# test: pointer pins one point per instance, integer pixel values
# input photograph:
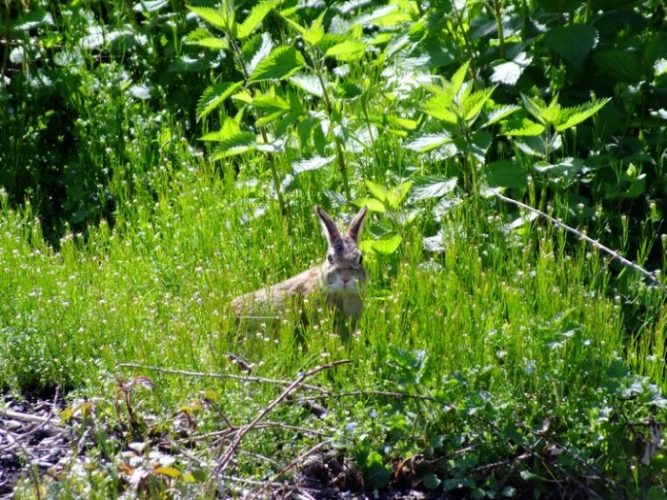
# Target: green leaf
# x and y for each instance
(314, 34)
(458, 78)
(575, 115)
(473, 104)
(349, 50)
(255, 50)
(270, 101)
(232, 139)
(431, 481)
(218, 18)
(201, 37)
(573, 42)
(500, 114)
(505, 173)
(428, 142)
(525, 127)
(433, 187)
(619, 65)
(396, 196)
(314, 163)
(440, 106)
(281, 63)
(372, 204)
(386, 246)
(307, 82)
(255, 18)
(215, 95)
(378, 191)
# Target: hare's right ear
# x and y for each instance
(330, 231)
(357, 224)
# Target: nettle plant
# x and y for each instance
(286, 97)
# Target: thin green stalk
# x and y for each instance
(498, 14)
(262, 129)
(342, 165)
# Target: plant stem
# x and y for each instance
(342, 165)
(498, 11)
(262, 130)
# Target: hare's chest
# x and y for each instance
(349, 304)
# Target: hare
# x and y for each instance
(339, 278)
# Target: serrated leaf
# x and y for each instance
(256, 49)
(313, 35)
(201, 37)
(232, 140)
(573, 42)
(428, 142)
(473, 104)
(307, 82)
(505, 173)
(281, 63)
(314, 163)
(526, 127)
(433, 187)
(270, 101)
(349, 50)
(255, 18)
(215, 17)
(499, 114)
(439, 106)
(575, 115)
(377, 190)
(372, 204)
(459, 77)
(215, 95)
(396, 196)
(403, 123)
(386, 246)
(509, 72)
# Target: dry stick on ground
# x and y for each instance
(594, 243)
(291, 465)
(231, 449)
(242, 378)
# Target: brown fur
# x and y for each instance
(343, 261)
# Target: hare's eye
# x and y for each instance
(360, 259)
(330, 258)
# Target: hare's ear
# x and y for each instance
(357, 224)
(330, 231)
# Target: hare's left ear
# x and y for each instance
(357, 224)
(330, 231)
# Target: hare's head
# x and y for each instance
(343, 268)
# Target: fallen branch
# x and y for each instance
(242, 378)
(231, 449)
(291, 465)
(594, 243)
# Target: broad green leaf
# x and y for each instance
(372, 204)
(203, 38)
(313, 35)
(218, 18)
(270, 101)
(473, 104)
(575, 115)
(433, 187)
(255, 50)
(458, 78)
(232, 139)
(396, 196)
(314, 163)
(572, 42)
(526, 127)
(215, 95)
(428, 142)
(535, 106)
(509, 72)
(440, 106)
(431, 481)
(349, 50)
(552, 114)
(307, 82)
(376, 190)
(403, 123)
(255, 18)
(281, 63)
(386, 246)
(500, 113)
(505, 173)
(268, 118)
(619, 64)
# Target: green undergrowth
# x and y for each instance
(511, 335)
